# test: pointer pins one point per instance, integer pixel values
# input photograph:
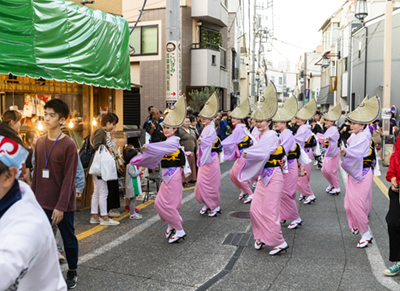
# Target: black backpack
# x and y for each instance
(86, 152)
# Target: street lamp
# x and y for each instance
(361, 10)
(258, 84)
(325, 62)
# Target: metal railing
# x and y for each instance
(205, 45)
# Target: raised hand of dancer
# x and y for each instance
(394, 184)
(143, 148)
(198, 141)
(244, 155)
(343, 152)
(329, 138)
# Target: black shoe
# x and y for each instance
(71, 280)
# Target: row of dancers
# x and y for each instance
(278, 165)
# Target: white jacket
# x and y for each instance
(28, 252)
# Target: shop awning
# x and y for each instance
(64, 41)
(325, 96)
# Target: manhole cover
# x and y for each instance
(240, 214)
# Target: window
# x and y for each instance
(213, 60)
(144, 40)
(345, 65)
(273, 79)
(280, 80)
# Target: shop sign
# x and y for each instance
(333, 83)
(386, 113)
(174, 80)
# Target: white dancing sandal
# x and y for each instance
(302, 197)
(354, 230)
(310, 199)
(295, 223)
(335, 191)
(180, 234)
(276, 250)
(169, 232)
(215, 211)
(248, 199)
(204, 210)
(365, 240)
(329, 188)
(241, 195)
(258, 244)
(255, 184)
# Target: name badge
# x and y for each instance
(46, 174)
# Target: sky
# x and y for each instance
(298, 22)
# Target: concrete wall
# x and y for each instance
(375, 61)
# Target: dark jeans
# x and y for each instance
(113, 195)
(67, 230)
(393, 223)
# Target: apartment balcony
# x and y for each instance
(212, 11)
(208, 65)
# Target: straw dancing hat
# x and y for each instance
(286, 111)
(210, 109)
(367, 112)
(267, 106)
(334, 113)
(242, 110)
(177, 113)
(308, 110)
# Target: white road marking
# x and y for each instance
(132, 233)
(374, 256)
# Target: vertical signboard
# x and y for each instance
(306, 96)
(174, 81)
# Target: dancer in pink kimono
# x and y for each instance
(358, 161)
(306, 141)
(235, 144)
(173, 159)
(265, 159)
(289, 211)
(330, 140)
(209, 174)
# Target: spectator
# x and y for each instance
(150, 110)
(113, 202)
(223, 124)
(393, 215)
(100, 193)
(189, 111)
(392, 125)
(345, 132)
(193, 124)
(154, 127)
(199, 125)
(31, 138)
(56, 163)
(188, 140)
(341, 120)
(216, 123)
(28, 258)
(293, 125)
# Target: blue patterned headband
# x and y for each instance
(12, 154)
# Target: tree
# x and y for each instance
(199, 98)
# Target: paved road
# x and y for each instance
(322, 253)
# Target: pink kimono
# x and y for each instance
(303, 183)
(209, 174)
(265, 207)
(358, 198)
(288, 201)
(231, 152)
(169, 196)
(330, 166)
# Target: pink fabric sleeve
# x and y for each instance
(155, 152)
(230, 143)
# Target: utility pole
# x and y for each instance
(387, 64)
(253, 84)
(173, 47)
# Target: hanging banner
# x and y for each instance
(174, 81)
(333, 83)
(306, 96)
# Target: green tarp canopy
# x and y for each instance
(64, 41)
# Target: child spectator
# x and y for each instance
(133, 187)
